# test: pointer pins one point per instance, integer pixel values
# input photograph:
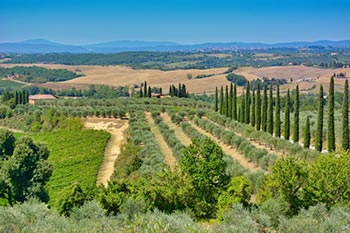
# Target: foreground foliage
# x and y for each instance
(24, 169)
(33, 216)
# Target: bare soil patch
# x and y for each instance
(117, 128)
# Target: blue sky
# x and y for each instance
(191, 21)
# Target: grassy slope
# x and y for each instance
(9, 84)
(75, 156)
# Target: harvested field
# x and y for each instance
(126, 76)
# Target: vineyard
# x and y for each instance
(182, 162)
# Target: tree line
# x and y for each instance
(262, 110)
(12, 99)
(34, 74)
(180, 91)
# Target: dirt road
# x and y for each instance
(117, 128)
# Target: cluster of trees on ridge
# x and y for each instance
(180, 91)
(34, 74)
(187, 60)
(263, 111)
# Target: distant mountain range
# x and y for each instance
(45, 46)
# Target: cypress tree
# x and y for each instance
(230, 102)
(226, 101)
(258, 109)
(270, 113)
(141, 93)
(278, 113)
(183, 91)
(179, 93)
(307, 133)
(234, 107)
(242, 110)
(319, 130)
(16, 98)
(145, 89)
(222, 100)
(161, 91)
(247, 104)
(216, 99)
(345, 112)
(264, 110)
(330, 131)
(149, 92)
(296, 116)
(286, 131)
(252, 110)
(20, 97)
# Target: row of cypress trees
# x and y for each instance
(20, 97)
(263, 111)
(181, 92)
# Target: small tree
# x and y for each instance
(277, 114)
(330, 131)
(258, 108)
(226, 101)
(307, 136)
(319, 136)
(296, 116)
(270, 113)
(234, 107)
(222, 100)
(287, 117)
(216, 99)
(145, 90)
(247, 104)
(230, 102)
(252, 110)
(203, 162)
(25, 172)
(242, 110)
(264, 110)
(345, 112)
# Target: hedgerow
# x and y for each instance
(153, 160)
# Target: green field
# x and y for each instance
(9, 84)
(75, 156)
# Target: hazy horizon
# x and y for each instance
(163, 41)
(79, 22)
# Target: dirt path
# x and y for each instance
(166, 150)
(117, 128)
(19, 81)
(184, 139)
(12, 130)
(229, 150)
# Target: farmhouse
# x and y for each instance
(34, 98)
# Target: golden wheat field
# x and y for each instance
(306, 77)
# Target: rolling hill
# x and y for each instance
(45, 46)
